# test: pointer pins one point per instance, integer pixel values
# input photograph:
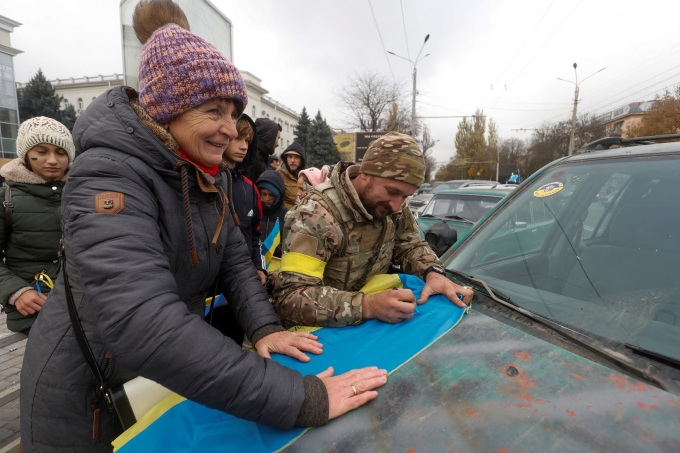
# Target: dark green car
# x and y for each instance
(460, 208)
(572, 342)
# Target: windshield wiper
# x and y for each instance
(670, 361)
(601, 346)
(475, 281)
(426, 215)
(457, 217)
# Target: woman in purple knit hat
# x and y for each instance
(149, 233)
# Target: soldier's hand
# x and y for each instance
(438, 284)
(30, 302)
(392, 305)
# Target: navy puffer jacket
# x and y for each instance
(270, 214)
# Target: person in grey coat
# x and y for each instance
(147, 236)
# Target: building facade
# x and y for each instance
(80, 92)
(9, 108)
(619, 121)
(262, 106)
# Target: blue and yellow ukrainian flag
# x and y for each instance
(178, 425)
(270, 243)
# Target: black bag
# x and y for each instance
(131, 400)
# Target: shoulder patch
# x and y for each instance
(304, 244)
(109, 202)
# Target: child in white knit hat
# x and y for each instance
(32, 202)
(46, 147)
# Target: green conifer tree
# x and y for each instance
(321, 148)
(302, 129)
(39, 98)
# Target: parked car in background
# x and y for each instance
(424, 188)
(572, 340)
(461, 184)
(417, 202)
(460, 209)
(423, 195)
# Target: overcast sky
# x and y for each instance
(502, 56)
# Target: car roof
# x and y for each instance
(638, 149)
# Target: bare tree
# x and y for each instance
(426, 144)
(513, 158)
(399, 118)
(368, 98)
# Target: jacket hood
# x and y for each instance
(247, 167)
(15, 170)
(109, 122)
(116, 120)
(266, 135)
(273, 178)
(297, 148)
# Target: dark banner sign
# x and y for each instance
(363, 140)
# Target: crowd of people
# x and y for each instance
(172, 196)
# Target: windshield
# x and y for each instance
(470, 207)
(595, 245)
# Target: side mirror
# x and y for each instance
(440, 237)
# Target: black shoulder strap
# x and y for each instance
(78, 327)
(9, 207)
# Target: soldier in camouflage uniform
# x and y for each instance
(351, 228)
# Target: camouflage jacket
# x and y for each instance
(333, 246)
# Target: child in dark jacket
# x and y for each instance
(272, 188)
(239, 158)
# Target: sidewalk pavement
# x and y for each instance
(12, 346)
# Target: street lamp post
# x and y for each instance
(498, 161)
(573, 113)
(413, 102)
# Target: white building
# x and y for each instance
(82, 91)
(262, 106)
(9, 118)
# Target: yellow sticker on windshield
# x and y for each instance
(548, 189)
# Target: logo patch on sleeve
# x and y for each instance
(109, 202)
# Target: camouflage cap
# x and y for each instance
(395, 156)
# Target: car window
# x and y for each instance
(468, 206)
(592, 244)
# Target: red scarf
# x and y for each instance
(212, 170)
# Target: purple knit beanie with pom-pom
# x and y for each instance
(179, 70)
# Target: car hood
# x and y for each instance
(487, 386)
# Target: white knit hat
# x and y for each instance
(42, 129)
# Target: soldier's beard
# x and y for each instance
(379, 210)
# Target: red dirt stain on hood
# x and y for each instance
(623, 384)
(647, 406)
(518, 388)
(522, 356)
